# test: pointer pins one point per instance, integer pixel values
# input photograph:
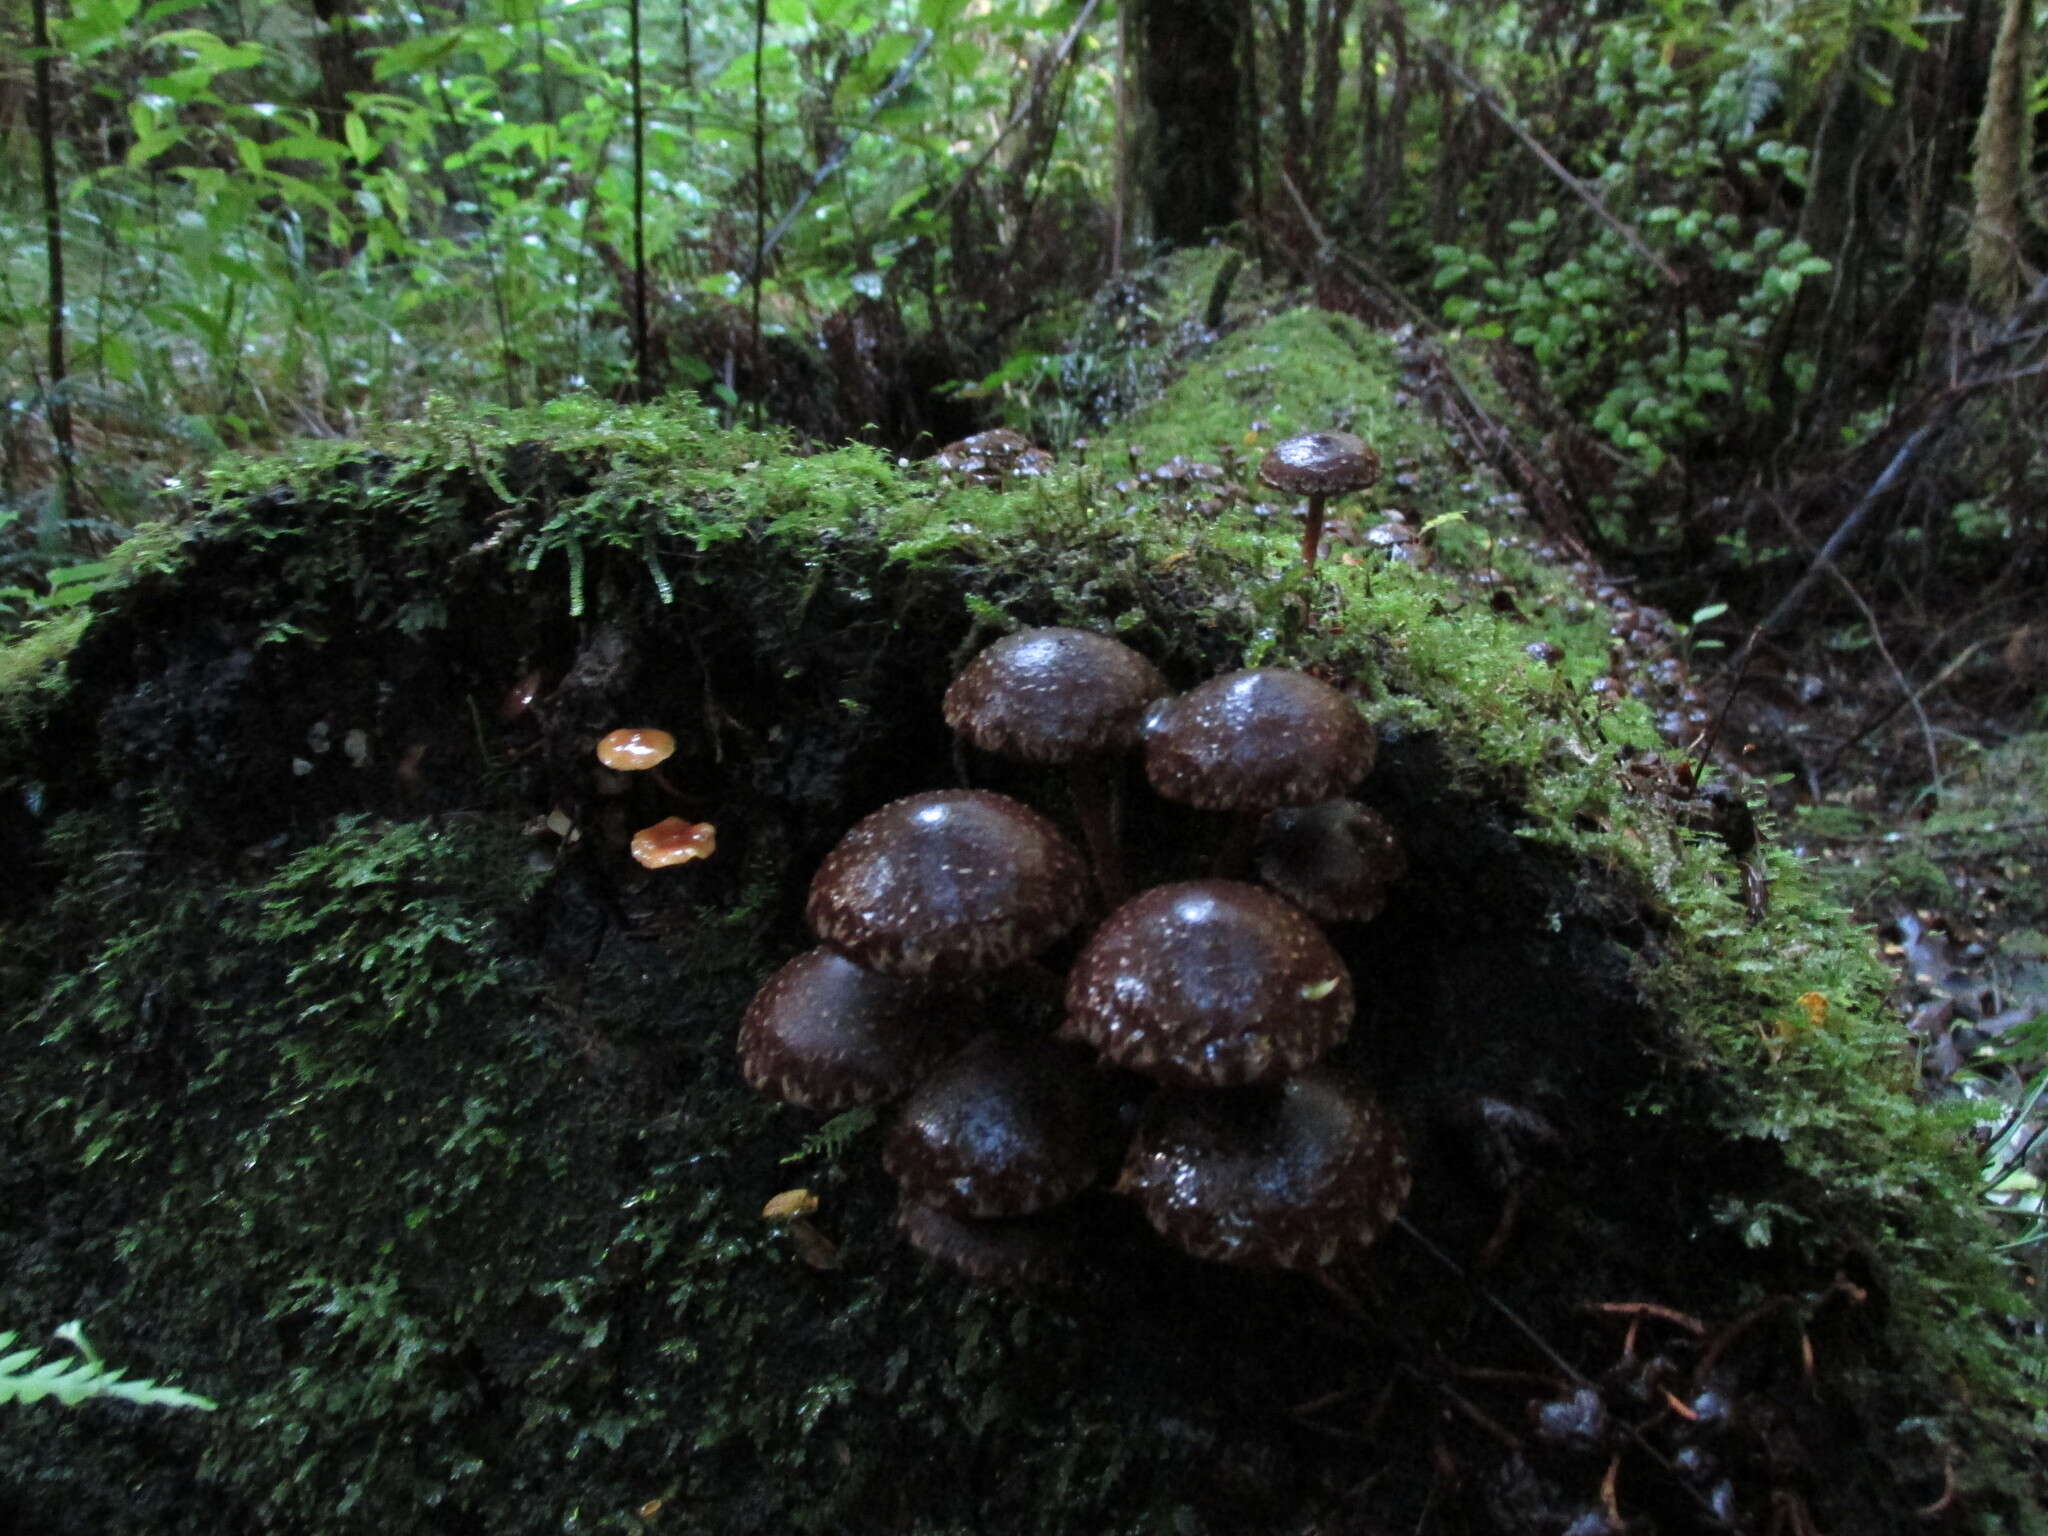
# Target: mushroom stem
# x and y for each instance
(1312, 531)
(1093, 786)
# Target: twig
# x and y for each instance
(838, 156)
(1654, 1309)
(643, 362)
(1877, 638)
(1025, 109)
(1878, 719)
(1571, 1372)
(1915, 444)
(760, 381)
(1989, 829)
(1551, 163)
(1974, 375)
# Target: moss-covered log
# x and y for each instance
(360, 1081)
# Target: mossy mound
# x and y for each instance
(352, 1091)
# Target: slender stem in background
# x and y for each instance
(760, 199)
(643, 363)
(689, 63)
(1252, 106)
(56, 407)
(1120, 192)
(501, 306)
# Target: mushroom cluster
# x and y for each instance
(1187, 1072)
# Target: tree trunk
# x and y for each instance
(1188, 80)
(1998, 266)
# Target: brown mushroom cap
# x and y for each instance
(948, 883)
(824, 1034)
(1250, 741)
(1053, 695)
(1010, 1125)
(634, 748)
(1320, 464)
(1334, 860)
(1208, 983)
(1288, 1177)
(1028, 1251)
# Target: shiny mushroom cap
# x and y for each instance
(1320, 464)
(1334, 860)
(1250, 741)
(635, 748)
(1009, 1126)
(1208, 984)
(946, 884)
(1289, 1177)
(1053, 695)
(826, 1035)
(673, 840)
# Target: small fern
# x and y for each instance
(72, 1382)
(835, 1135)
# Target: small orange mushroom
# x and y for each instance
(673, 840)
(789, 1205)
(635, 748)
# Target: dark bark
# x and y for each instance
(57, 408)
(344, 69)
(1188, 53)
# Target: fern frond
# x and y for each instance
(835, 1135)
(72, 1382)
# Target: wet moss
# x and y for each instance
(362, 1099)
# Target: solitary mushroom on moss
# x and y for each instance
(1319, 465)
(1063, 697)
(947, 884)
(1289, 1177)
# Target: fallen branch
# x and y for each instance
(1029, 105)
(838, 156)
(1551, 163)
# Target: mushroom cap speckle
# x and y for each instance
(1010, 1125)
(1334, 859)
(946, 884)
(1250, 741)
(1208, 983)
(824, 1034)
(1288, 1177)
(1320, 464)
(1053, 695)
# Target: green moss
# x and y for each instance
(546, 1240)
(30, 659)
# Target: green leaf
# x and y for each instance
(360, 144)
(305, 146)
(416, 55)
(119, 357)
(72, 1382)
